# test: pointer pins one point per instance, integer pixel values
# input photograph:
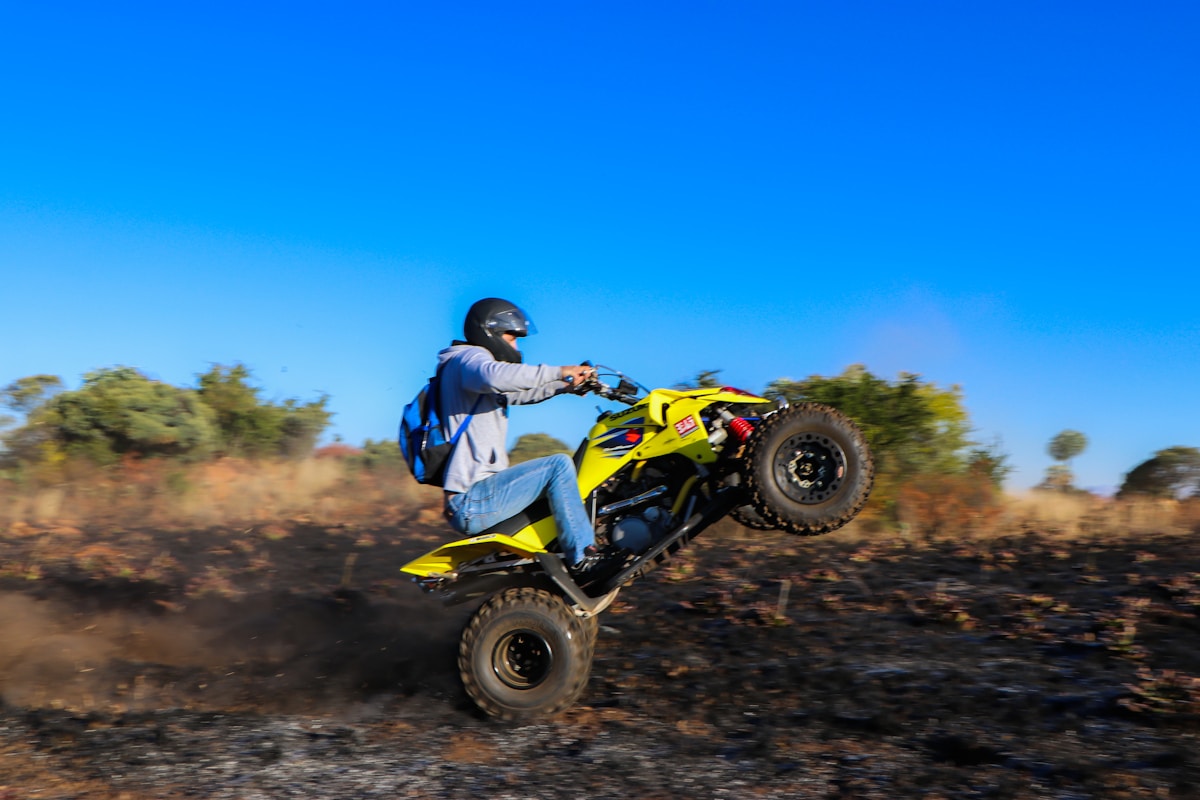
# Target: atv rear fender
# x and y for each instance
(527, 542)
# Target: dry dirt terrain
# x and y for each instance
(293, 661)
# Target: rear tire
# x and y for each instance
(525, 655)
(808, 469)
(591, 632)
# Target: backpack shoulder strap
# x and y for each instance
(438, 400)
(466, 422)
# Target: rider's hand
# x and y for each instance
(577, 374)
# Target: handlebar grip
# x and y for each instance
(584, 363)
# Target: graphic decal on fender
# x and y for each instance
(627, 412)
(618, 442)
(686, 426)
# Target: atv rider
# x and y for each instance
(481, 377)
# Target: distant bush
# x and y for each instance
(383, 455)
(536, 445)
(919, 434)
(949, 505)
(337, 450)
(119, 413)
(1173, 472)
(249, 427)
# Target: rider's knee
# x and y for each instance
(563, 464)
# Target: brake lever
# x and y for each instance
(584, 386)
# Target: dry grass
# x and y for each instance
(332, 491)
(948, 507)
(1085, 515)
(221, 493)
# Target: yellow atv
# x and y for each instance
(652, 476)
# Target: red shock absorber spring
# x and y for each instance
(741, 428)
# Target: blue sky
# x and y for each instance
(999, 196)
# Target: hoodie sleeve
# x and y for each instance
(521, 384)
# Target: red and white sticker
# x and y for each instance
(685, 426)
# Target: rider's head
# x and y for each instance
(487, 322)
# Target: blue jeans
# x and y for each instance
(508, 493)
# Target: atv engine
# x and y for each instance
(636, 505)
(638, 531)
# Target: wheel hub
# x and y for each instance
(809, 468)
(522, 659)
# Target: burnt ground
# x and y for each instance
(293, 660)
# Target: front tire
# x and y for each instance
(748, 517)
(808, 469)
(524, 655)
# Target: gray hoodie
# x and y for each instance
(469, 374)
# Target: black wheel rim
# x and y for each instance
(809, 467)
(522, 659)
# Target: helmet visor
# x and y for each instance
(513, 320)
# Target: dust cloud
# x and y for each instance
(271, 652)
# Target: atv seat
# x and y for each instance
(539, 510)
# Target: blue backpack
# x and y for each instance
(423, 437)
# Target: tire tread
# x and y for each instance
(549, 605)
(760, 488)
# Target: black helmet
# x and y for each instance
(491, 317)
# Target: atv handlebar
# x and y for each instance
(626, 391)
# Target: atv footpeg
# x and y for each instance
(555, 568)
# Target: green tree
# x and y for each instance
(119, 411)
(302, 426)
(535, 445)
(1062, 448)
(1173, 472)
(247, 426)
(989, 462)
(26, 394)
(243, 425)
(705, 379)
(911, 426)
(1066, 445)
(1059, 478)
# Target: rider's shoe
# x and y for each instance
(597, 563)
(591, 558)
